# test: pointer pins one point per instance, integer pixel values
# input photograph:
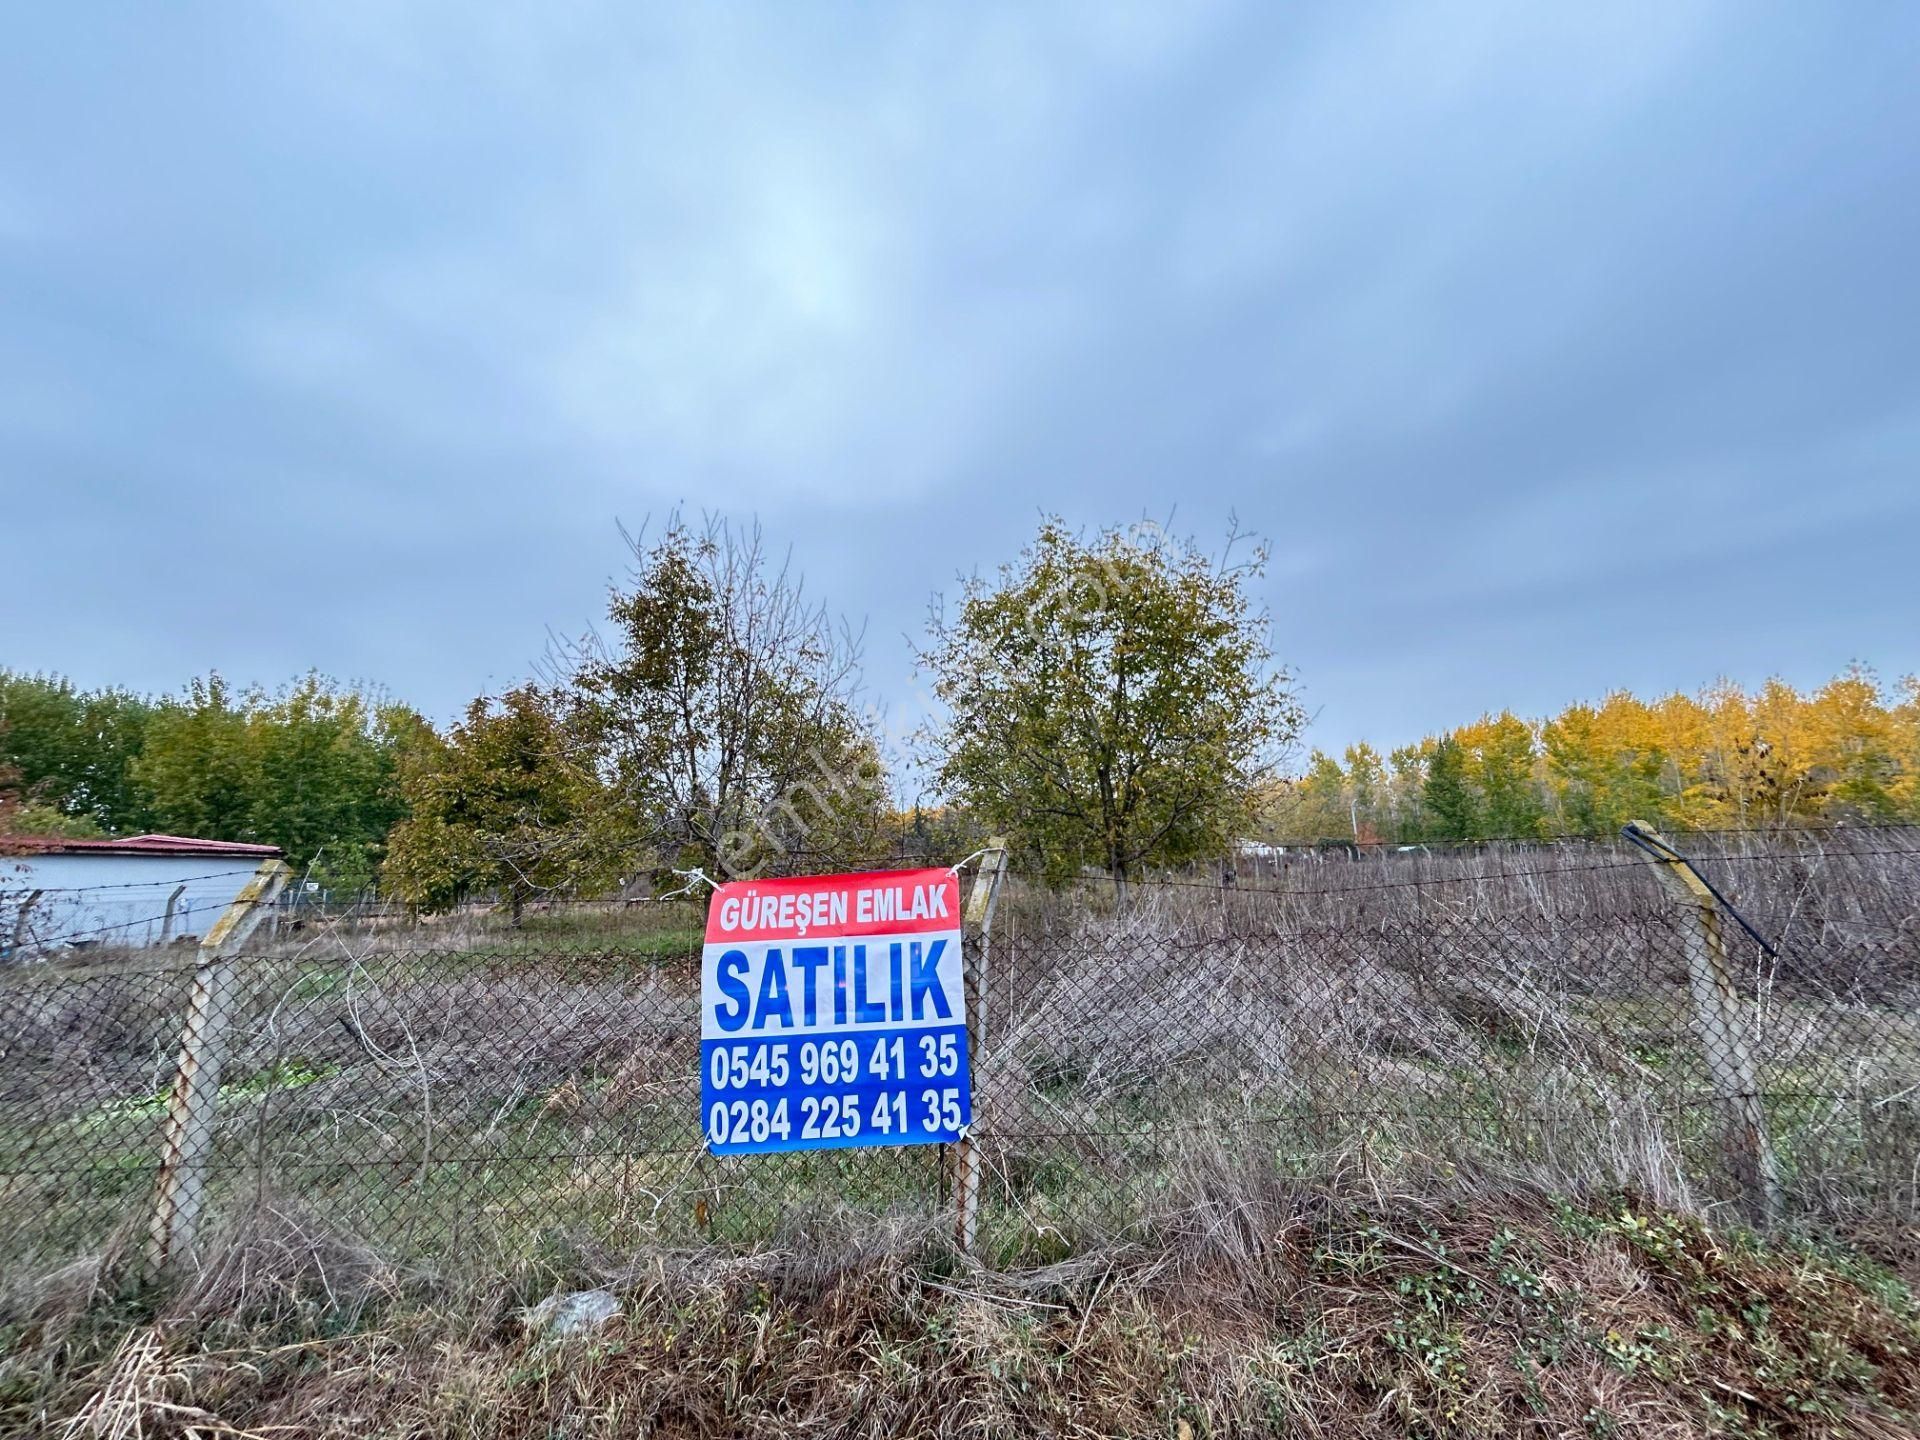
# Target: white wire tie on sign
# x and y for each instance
(959, 865)
(693, 875)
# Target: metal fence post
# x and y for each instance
(173, 909)
(978, 929)
(1721, 1021)
(187, 1137)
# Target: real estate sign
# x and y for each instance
(833, 1013)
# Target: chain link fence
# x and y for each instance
(433, 1089)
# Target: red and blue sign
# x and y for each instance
(833, 1013)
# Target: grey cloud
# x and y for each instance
(1498, 319)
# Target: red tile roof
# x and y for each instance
(136, 845)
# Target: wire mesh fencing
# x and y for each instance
(433, 1090)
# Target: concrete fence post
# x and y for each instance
(187, 1136)
(976, 941)
(1723, 1025)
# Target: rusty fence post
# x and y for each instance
(187, 1136)
(1723, 1026)
(976, 941)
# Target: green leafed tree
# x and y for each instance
(1111, 700)
(198, 768)
(1453, 807)
(508, 803)
(327, 776)
(72, 752)
(722, 705)
(313, 769)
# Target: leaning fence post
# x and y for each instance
(976, 938)
(173, 908)
(187, 1137)
(20, 931)
(1721, 1022)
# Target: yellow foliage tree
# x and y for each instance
(1847, 752)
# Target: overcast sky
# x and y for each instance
(1556, 348)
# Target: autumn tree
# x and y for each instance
(1502, 764)
(1904, 738)
(1319, 805)
(1853, 743)
(15, 896)
(722, 703)
(1605, 766)
(1406, 787)
(1368, 802)
(1845, 753)
(1111, 700)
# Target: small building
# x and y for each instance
(59, 894)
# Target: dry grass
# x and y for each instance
(1525, 1007)
(1346, 1159)
(1468, 1304)
(1799, 887)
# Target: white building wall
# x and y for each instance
(121, 900)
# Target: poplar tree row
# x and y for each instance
(1847, 752)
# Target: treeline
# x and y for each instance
(314, 768)
(709, 725)
(1110, 700)
(1847, 752)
